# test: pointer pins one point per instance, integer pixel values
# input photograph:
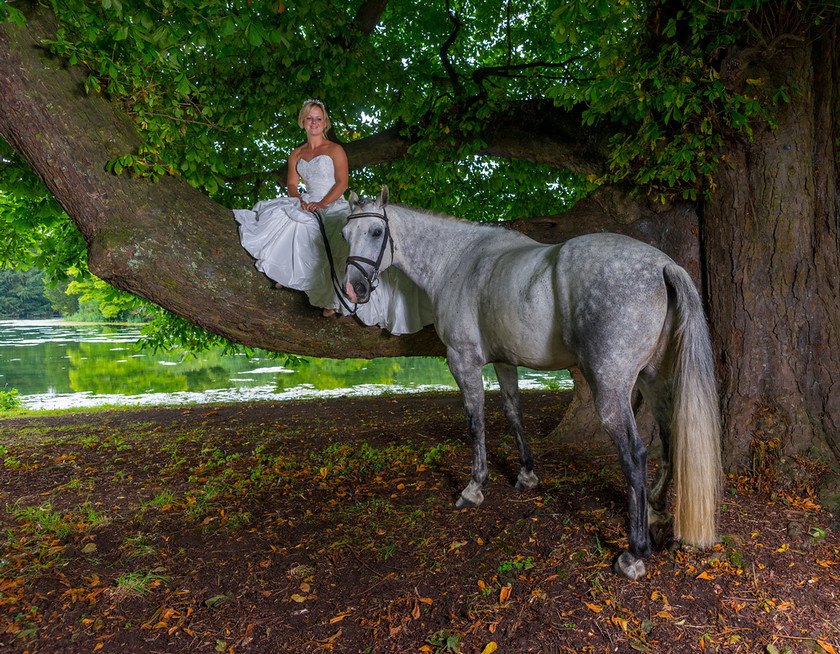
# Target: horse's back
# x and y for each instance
(601, 297)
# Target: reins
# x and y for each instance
(339, 291)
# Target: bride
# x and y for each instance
(284, 237)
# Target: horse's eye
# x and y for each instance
(377, 232)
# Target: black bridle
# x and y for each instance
(373, 276)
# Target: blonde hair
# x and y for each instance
(307, 107)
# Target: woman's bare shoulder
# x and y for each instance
(295, 154)
(335, 150)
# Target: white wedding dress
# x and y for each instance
(287, 244)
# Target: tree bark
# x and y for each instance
(771, 251)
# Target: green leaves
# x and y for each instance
(9, 13)
(657, 76)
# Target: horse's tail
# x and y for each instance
(695, 422)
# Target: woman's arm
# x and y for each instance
(292, 177)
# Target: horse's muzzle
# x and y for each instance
(357, 291)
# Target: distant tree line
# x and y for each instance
(29, 294)
(23, 294)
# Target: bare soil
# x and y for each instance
(329, 525)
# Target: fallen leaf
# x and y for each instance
(331, 639)
(827, 647)
(705, 575)
(213, 601)
(594, 607)
(297, 598)
(504, 594)
(621, 623)
(489, 648)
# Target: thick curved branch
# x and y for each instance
(536, 130)
(167, 242)
(533, 130)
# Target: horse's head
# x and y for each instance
(371, 247)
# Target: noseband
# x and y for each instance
(373, 277)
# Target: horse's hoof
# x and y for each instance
(629, 567)
(527, 480)
(469, 500)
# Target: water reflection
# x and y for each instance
(55, 364)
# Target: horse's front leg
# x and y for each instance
(467, 373)
(509, 384)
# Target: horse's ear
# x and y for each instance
(353, 199)
(383, 197)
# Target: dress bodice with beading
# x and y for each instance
(318, 175)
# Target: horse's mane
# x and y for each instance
(444, 216)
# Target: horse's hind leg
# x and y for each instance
(509, 383)
(467, 373)
(613, 407)
(660, 521)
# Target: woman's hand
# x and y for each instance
(312, 206)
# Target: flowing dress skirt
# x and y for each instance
(288, 247)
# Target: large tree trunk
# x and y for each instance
(771, 238)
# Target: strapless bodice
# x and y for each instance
(318, 175)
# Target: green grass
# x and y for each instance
(137, 583)
(41, 519)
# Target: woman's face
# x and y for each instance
(313, 122)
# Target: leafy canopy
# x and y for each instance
(214, 87)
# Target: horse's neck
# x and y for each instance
(428, 246)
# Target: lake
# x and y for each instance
(58, 365)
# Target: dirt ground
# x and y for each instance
(329, 526)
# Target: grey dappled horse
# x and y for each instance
(620, 310)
